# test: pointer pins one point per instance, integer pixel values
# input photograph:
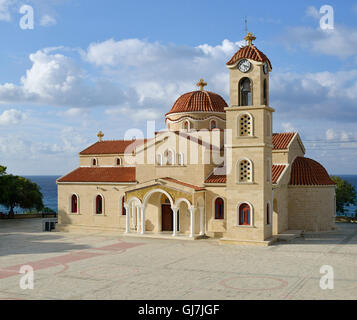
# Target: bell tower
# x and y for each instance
(249, 120)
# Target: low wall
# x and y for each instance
(29, 216)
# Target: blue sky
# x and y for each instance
(110, 65)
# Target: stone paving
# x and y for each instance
(112, 266)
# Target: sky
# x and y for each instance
(90, 65)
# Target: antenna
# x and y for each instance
(246, 25)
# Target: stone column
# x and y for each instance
(174, 218)
(137, 219)
(202, 212)
(142, 220)
(192, 229)
(127, 228)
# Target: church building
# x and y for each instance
(217, 171)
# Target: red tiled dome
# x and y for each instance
(249, 52)
(308, 172)
(199, 101)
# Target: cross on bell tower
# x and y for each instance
(201, 84)
(250, 37)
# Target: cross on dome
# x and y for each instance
(100, 136)
(201, 84)
(250, 37)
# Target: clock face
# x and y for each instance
(265, 68)
(244, 65)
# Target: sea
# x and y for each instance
(49, 190)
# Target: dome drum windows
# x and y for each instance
(245, 171)
(245, 125)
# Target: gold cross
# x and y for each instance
(250, 37)
(100, 135)
(201, 84)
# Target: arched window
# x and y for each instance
(180, 160)
(265, 94)
(245, 92)
(269, 169)
(99, 204)
(268, 126)
(159, 159)
(245, 125)
(219, 208)
(94, 162)
(213, 124)
(170, 157)
(186, 125)
(74, 204)
(244, 215)
(123, 210)
(118, 161)
(268, 213)
(245, 171)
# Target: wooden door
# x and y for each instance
(166, 221)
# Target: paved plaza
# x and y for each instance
(112, 266)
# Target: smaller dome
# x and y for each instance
(199, 101)
(308, 172)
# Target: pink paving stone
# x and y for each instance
(67, 258)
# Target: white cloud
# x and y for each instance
(5, 10)
(288, 127)
(138, 115)
(330, 134)
(340, 42)
(11, 117)
(311, 11)
(47, 21)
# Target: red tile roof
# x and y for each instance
(199, 101)
(249, 52)
(214, 178)
(113, 147)
(100, 174)
(281, 140)
(308, 172)
(196, 188)
(277, 170)
(222, 178)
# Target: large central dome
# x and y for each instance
(199, 101)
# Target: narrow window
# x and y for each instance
(118, 161)
(245, 125)
(245, 89)
(244, 215)
(123, 210)
(99, 204)
(94, 162)
(265, 96)
(74, 204)
(219, 208)
(180, 159)
(268, 213)
(170, 157)
(213, 124)
(186, 125)
(245, 171)
(159, 159)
